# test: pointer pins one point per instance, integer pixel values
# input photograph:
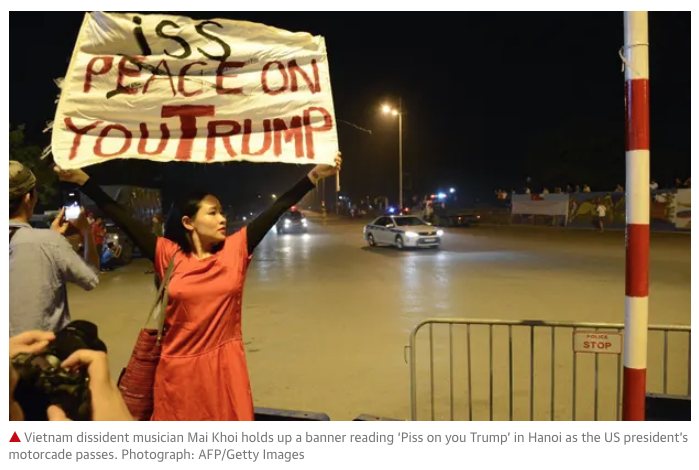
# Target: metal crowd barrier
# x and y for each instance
(276, 414)
(536, 370)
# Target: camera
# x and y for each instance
(43, 382)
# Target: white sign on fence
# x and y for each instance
(683, 209)
(545, 204)
(599, 343)
(169, 88)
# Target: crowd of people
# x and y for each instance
(202, 373)
(503, 195)
(108, 252)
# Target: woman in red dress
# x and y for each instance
(202, 374)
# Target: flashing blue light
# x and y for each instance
(441, 196)
(391, 210)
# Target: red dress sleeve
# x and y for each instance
(236, 249)
(164, 251)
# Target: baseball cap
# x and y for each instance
(22, 180)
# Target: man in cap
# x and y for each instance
(42, 261)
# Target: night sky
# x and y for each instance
(490, 99)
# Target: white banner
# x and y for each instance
(169, 88)
(683, 211)
(545, 204)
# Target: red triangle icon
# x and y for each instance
(15, 438)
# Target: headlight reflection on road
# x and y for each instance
(412, 286)
(292, 249)
(426, 285)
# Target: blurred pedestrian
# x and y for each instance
(599, 215)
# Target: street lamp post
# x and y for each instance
(400, 153)
(398, 112)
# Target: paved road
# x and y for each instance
(326, 318)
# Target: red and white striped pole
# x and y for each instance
(637, 214)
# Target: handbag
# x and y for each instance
(138, 377)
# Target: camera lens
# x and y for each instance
(79, 334)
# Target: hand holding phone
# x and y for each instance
(59, 224)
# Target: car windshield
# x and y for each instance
(294, 215)
(408, 221)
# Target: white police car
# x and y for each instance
(402, 231)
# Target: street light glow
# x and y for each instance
(452, 190)
(399, 113)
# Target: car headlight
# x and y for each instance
(411, 234)
(304, 222)
(440, 233)
(287, 222)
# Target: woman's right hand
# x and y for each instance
(72, 176)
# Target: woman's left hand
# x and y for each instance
(78, 176)
(323, 171)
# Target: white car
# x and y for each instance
(402, 232)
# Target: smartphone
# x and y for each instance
(72, 211)
(72, 205)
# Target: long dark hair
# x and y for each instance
(187, 205)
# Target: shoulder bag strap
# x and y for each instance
(162, 297)
(165, 295)
(13, 231)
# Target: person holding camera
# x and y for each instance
(106, 401)
(42, 261)
(202, 373)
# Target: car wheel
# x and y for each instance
(399, 243)
(370, 239)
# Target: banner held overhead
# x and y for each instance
(169, 88)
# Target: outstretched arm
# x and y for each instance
(258, 228)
